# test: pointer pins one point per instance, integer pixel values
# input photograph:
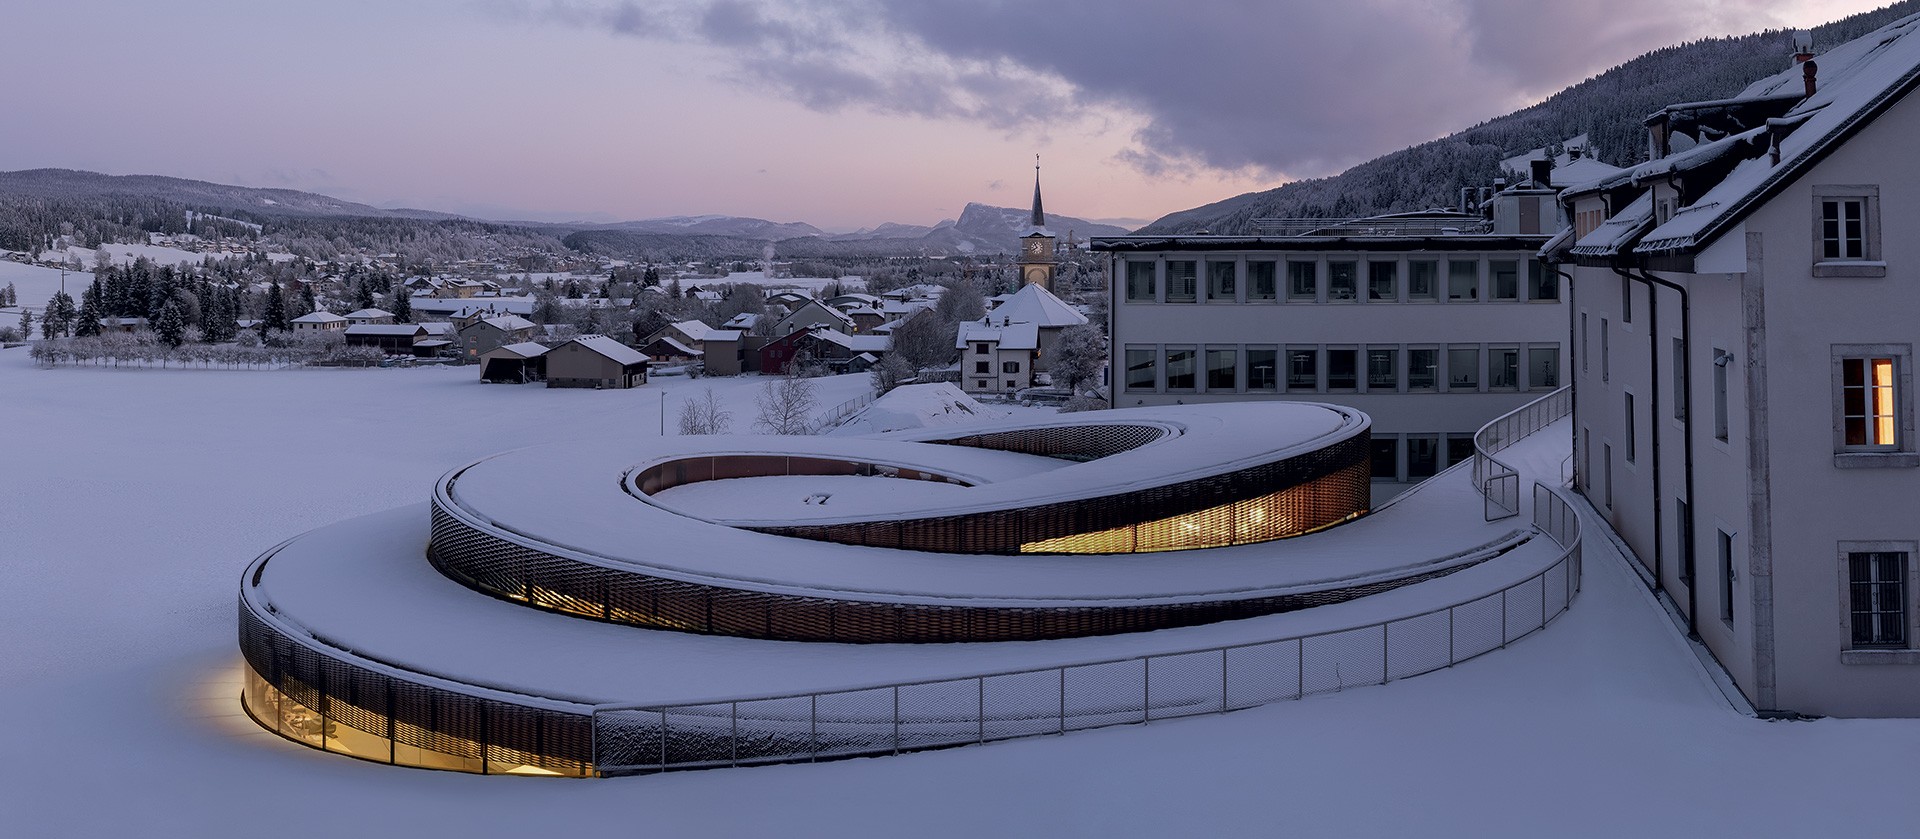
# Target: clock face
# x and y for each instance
(1036, 247)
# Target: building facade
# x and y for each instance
(1433, 324)
(1744, 408)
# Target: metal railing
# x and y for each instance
(941, 713)
(1496, 481)
(839, 413)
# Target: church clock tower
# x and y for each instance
(1036, 246)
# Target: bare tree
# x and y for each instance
(1078, 356)
(890, 372)
(925, 341)
(786, 406)
(703, 415)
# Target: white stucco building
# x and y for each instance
(1432, 323)
(1744, 330)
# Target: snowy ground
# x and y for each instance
(36, 284)
(129, 501)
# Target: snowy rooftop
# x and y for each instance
(1036, 305)
(614, 350)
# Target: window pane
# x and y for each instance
(1180, 374)
(1503, 368)
(1383, 369)
(1423, 279)
(1506, 279)
(1463, 368)
(1140, 369)
(1423, 369)
(1423, 456)
(1343, 279)
(1459, 448)
(1876, 595)
(1221, 278)
(1140, 276)
(1181, 280)
(1542, 284)
(1221, 370)
(1463, 279)
(1382, 280)
(1263, 368)
(1342, 369)
(1386, 452)
(1303, 280)
(1303, 369)
(1867, 402)
(1543, 367)
(1260, 280)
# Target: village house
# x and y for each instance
(595, 361)
(320, 321)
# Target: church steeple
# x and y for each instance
(1039, 215)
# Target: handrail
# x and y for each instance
(1494, 479)
(938, 713)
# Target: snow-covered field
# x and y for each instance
(36, 284)
(130, 499)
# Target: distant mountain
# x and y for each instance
(75, 185)
(1607, 107)
(981, 229)
(747, 228)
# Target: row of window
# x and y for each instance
(1315, 369)
(1425, 454)
(1237, 280)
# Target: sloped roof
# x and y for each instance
(675, 346)
(744, 320)
(1619, 231)
(319, 317)
(368, 313)
(386, 329)
(1016, 336)
(1036, 305)
(524, 349)
(693, 329)
(509, 323)
(613, 350)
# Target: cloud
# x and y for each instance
(1238, 86)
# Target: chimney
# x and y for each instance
(1542, 174)
(1574, 152)
(1803, 56)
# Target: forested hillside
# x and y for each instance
(1608, 108)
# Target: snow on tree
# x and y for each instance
(1078, 357)
(890, 372)
(786, 405)
(703, 415)
(171, 324)
(275, 318)
(402, 305)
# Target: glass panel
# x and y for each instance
(1423, 279)
(1303, 280)
(1221, 277)
(1140, 369)
(1463, 279)
(1385, 452)
(1383, 368)
(1303, 369)
(1343, 369)
(1506, 279)
(1503, 368)
(1459, 448)
(1261, 280)
(1182, 280)
(1463, 368)
(1220, 370)
(1263, 368)
(1140, 277)
(1343, 280)
(1382, 279)
(1541, 283)
(1180, 373)
(1423, 369)
(1543, 367)
(1423, 456)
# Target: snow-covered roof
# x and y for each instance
(385, 329)
(1015, 336)
(854, 343)
(917, 406)
(1619, 230)
(524, 349)
(368, 314)
(1856, 81)
(675, 346)
(1036, 305)
(508, 323)
(724, 335)
(613, 350)
(319, 317)
(693, 329)
(744, 320)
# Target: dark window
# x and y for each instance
(1463, 368)
(1503, 368)
(1140, 279)
(1009, 366)
(1683, 525)
(1180, 374)
(982, 367)
(1543, 367)
(1542, 284)
(1877, 598)
(1343, 280)
(1726, 576)
(1343, 369)
(1386, 453)
(1463, 279)
(1221, 277)
(1382, 279)
(1383, 369)
(1181, 280)
(1843, 228)
(979, 349)
(1261, 282)
(1221, 372)
(1423, 279)
(1140, 369)
(1303, 369)
(1679, 379)
(1423, 456)
(1303, 280)
(1631, 444)
(1423, 369)
(1721, 361)
(1263, 368)
(1459, 448)
(1506, 279)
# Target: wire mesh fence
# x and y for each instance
(917, 716)
(1498, 482)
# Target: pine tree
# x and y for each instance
(307, 304)
(59, 316)
(275, 317)
(11, 297)
(171, 323)
(362, 295)
(26, 323)
(402, 305)
(88, 322)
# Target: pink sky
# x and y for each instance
(843, 113)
